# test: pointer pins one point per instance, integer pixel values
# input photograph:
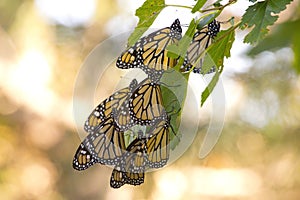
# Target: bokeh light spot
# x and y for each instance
(67, 12)
(35, 179)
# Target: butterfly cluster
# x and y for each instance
(138, 104)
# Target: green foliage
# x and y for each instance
(174, 88)
(180, 49)
(284, 35)
(207, 19)
(132, 134)
(208, 90)
(176, 50)
(296, 48)
(260, 15)
(198, 5)
(217, 3)
(147, 13)
(221, 47)
(216, 54)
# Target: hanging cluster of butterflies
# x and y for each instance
(139, 104)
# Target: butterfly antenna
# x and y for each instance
(184, 25)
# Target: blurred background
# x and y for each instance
(43, 44)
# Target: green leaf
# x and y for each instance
(179, 49)
(132, 134)
(207, 19)
(284, 35)
(147, 13)
(281, 36)
(217, 3)
(174, 89)
(207, 64)
(176, 50)
(260, 15)
(215, 57)
(220, 48)
(208, 90)
(198, 5)
(296, 49)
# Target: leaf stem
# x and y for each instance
(180, 6)
(218, 8)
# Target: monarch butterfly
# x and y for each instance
(137, 104)
(143, 153)
(146, 103)
(104, 145)
(104, 109)
(132, 166)
(83, 158)
(201, 40)
(149, 53)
